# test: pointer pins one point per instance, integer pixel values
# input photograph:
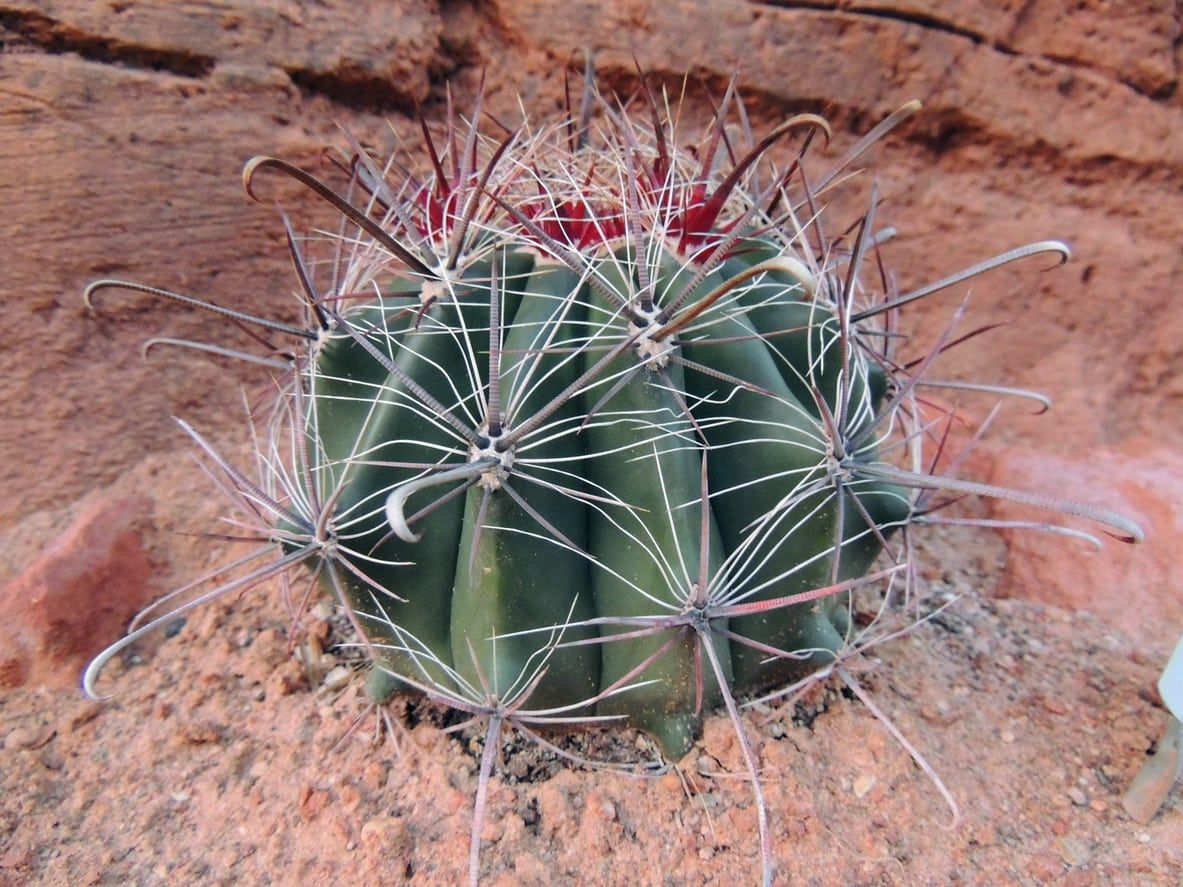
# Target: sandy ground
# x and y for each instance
(221, 759)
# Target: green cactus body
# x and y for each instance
(587, 527)
(567, 563)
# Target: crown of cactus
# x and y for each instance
(587, 425)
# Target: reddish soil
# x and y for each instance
(221, 759)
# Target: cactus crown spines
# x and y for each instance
(596, 434)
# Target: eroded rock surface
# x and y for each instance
(77, 594)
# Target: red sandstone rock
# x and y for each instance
(1138, 589)
(77, 595)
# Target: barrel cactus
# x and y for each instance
(587, 424)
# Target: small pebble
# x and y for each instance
(1073, 852)
(1054, 705)
(29, 737)
(1077, 796)
(386, 835)
(338, 677)
(21, 737)
(1007, 736)
(863, 783)
(84, 715)
(940, 714)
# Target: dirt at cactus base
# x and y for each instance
(219, 762)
